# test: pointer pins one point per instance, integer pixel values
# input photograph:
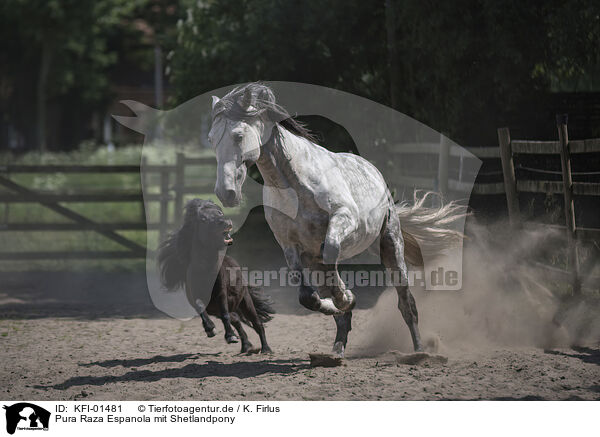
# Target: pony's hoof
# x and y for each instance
(266, 350)
(232, 339)
(211, 333)
(248, 349)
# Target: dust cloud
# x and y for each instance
(504, 301)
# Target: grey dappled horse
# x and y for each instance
(340, 203)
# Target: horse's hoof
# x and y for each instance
(328, 308)
(266, 350)
(232, 339)
(211, 333)
(338, 349)
(346, 303)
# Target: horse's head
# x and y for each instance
(241, 125)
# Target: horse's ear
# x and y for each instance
(247, 99)
(215, 102)
(266, 95)
(145, 117)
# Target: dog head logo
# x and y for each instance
(26, 416)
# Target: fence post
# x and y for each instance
(510, 183)
(144, 182)
(565, 160)
(443, 165)
(164, 203)
(179, 185)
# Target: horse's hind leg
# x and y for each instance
(237, 324)
(392, 255)
(344, 326)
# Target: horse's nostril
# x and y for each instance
(229, 196)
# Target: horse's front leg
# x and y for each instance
(334, 284)
(342, 224)
(307, 295)
(343, 324)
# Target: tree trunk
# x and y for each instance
(41, 95)
(390, 27)
(158, 77)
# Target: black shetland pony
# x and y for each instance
(193, 256)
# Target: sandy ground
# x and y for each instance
(58, 349)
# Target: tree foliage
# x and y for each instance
(464, 67)
(73, 38)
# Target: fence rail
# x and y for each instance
(565, 148)
(172, 189)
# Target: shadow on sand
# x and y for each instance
(240, 370)
(585, 354)
(136, 362)
(81, 295)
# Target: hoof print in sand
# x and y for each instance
(419, 358)
(325, 360)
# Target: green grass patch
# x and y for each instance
(102, 212)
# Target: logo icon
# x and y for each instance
(26, 416)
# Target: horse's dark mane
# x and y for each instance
(263, 104)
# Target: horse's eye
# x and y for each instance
(238, 137)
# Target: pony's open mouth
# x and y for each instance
(227, 238)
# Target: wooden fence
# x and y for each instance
(511, 186)
(172, 188)
(565, 148)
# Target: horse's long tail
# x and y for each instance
(425, 230)
(262, 304)
(174, 253)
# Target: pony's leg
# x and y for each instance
(230, 336)
(249, 311)
(341, 225)
(198, 305)
(343, 323)
(237, 324)
(220, 292)
(209, 326)
(392, 256)
(307, 295)
(260, 330)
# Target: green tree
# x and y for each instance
(53, 49)
(463, 67)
